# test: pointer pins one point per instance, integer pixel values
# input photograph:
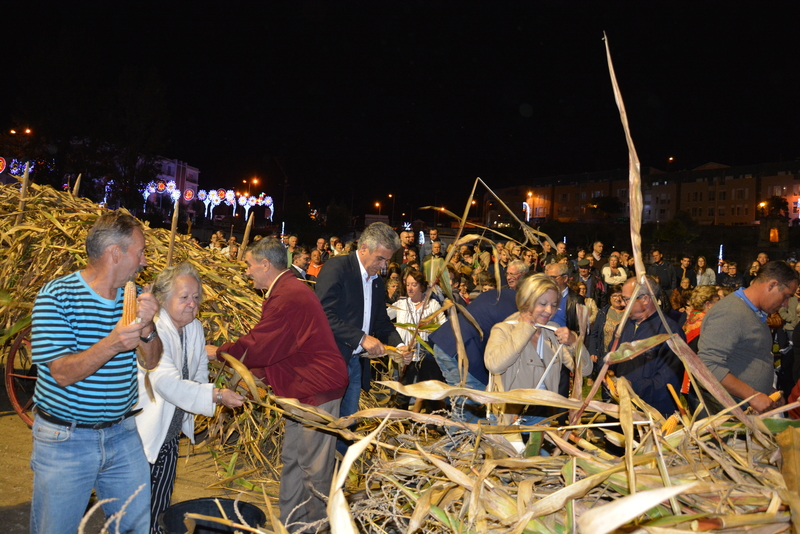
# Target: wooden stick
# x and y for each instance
(246, 237)
(23, 192)
(172, 234)
(77, 186)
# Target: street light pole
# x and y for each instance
(378, 205)
(391, 219)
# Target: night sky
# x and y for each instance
(355, 100)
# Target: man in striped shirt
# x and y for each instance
(83, 434)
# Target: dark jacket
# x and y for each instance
(487, 309)
(649, 373)
(666, 274)
(342, 297)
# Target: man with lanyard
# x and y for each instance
(83, 434)
(735, 341)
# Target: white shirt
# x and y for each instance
(366, 286)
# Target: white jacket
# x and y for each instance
(193, 395)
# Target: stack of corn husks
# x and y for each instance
(49, 242)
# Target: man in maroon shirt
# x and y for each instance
(293, 349)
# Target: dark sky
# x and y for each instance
(356, 100)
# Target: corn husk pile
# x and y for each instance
(49, 242)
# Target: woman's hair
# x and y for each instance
(165, 281)
(531, 288)
(575, 285)
(616, 288)
(701, 295)
(418, 277)
(697, 268)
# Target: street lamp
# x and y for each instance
(391, 219)
(378, 205)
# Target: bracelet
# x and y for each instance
(219, 396)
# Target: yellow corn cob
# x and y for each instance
(670, 425)
(611, 387)
(129, 304)
(776, 396)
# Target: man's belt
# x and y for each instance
(93, 426)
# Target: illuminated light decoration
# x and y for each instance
(244, 202)
(202, 195)
(2, 164)
(230, 199)
(161, 186)
(151, 187)
(527, 208)
(17, 167)
(171, 186)
(253, 201)
(407, 226)
(421, 238)
(188, 195)
(221, 193)
(175, 195)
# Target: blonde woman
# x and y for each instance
(518, 351)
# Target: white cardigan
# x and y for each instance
(193, 395)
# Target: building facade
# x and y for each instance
(710, 194)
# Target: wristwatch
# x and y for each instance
(150, 337)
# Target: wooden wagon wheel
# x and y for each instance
(21, 376)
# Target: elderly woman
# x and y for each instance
(179, 383)
(519, 351)
(613, 273)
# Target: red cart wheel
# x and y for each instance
(21, 376)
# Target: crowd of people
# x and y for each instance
(131, 390)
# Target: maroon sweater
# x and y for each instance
(292, 346)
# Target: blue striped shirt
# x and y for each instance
(68, 318)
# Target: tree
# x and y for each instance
(606, 206)
(774, 206)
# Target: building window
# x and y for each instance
(662, 212)
(710, 212)
(773, 235)
(722, 211)
(711, 195)
(564, 197)
(722, 195)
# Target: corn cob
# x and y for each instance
(611, 387)
(670, 425)
(129, 304)
(775, 396)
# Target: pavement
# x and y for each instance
(196, 475)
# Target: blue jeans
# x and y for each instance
(351, 397)
(464, 409)
(68, 462)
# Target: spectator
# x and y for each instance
(322, 249)
(608, 318)
(751, 274)
(613, 273)
(597, 255)
(704, 275)
(580, 289)
(595, 289)
(548, 256)
(529, 257)
(406, 243)
(731, 278)
(316, 263)
(664, 272)
(685, 271)
(427, 247)
(515, 271)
